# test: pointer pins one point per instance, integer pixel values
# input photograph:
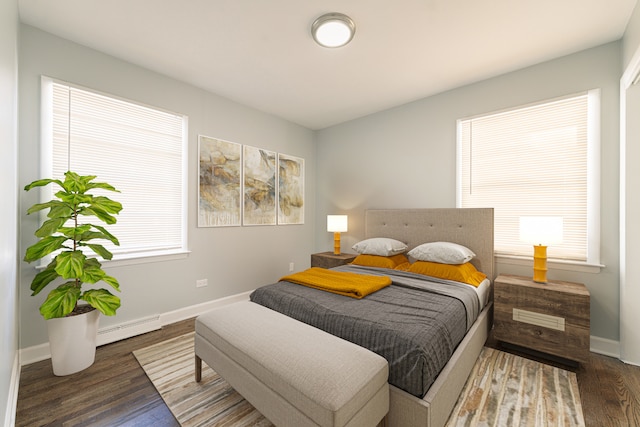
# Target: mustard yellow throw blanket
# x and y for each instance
(352, 285)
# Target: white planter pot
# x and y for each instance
(72, 341)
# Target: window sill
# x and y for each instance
(552, 264)
(148, 257)
(122, 260)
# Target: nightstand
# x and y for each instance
(552, 318)
(330, 260)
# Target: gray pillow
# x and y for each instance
(442, 252)
(381, 246)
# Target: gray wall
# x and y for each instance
(8, 188)
(406, 157)
(233, 259)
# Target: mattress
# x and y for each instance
(416, 323)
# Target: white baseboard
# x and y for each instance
(132, 328)
(605, 347)
(196, 310)
(12, 399)
(34, 354)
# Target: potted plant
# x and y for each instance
(72, 326)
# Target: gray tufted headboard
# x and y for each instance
(472, 228)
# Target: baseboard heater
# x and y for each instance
(124, 330)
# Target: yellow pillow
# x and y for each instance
(405, 266)
(465, 273)
(381, 261)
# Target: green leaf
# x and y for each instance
(101, 250)
(43, 278)
(102, 185)
(44, 247)
(103, 300)
(76, 183)
(60, 210)
(92, 262)
(85, 179)
(42, 183)
(107, 235)
(74, 233)
(50, 226)
(74, 199)
(98, 212)
(40, 206)
(106, 204)
(112, 281)
(60, 301)
(70, 265)
(92, 271)
(89, 235)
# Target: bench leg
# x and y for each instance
(198, 369)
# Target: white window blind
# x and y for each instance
(138, 149)
(534, 161)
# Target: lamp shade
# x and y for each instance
(337, 223)
(541, 230)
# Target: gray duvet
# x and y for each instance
(415, 324)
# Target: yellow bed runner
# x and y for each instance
(339, 282)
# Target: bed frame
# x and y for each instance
(472, 228)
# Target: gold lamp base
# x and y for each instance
(336, 243)
(540, 264)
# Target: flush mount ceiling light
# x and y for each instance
(333, 30)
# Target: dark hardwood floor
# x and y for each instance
(116, 392)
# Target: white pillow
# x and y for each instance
(380, 246)
(442, 252)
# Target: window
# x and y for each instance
(138, 149)
(536, 160)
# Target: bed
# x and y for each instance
(423, 389)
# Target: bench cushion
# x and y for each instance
(323, 376)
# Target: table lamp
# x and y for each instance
(336, 224)
(540, 231)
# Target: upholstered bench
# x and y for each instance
(294, 374)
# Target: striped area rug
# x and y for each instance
(502, 390)
(211, 402)
(508, 390)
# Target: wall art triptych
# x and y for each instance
(244, 185)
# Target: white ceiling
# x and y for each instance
(260, 52)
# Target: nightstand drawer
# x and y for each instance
(552, 318)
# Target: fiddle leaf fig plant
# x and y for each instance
(64, 235)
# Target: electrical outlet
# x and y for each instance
(201, 283)
(290, 266)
